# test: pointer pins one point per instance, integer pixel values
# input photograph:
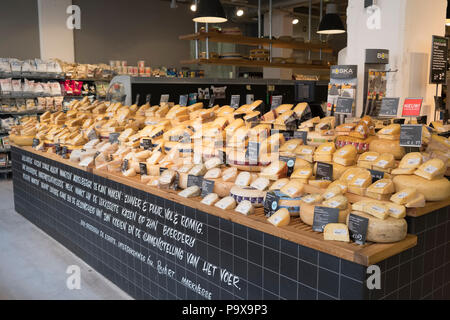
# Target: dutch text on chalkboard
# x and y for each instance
(324, 216)
(439, 55)
(271, 204)
(194, 181)
(207, 187)
(344, 106)
(411, 135)
(389, 107)
(143, 169)
(357, 227)
(36, 142)
(324, 171)
(376, 175)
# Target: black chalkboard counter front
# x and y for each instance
(155, 244)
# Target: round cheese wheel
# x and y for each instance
(307, 213)
(388, 146)
(255, 196)
(434, 190)
(222, 188)
(384, 231)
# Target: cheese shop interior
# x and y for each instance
(228, 149)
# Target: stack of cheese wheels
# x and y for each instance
(388, 142)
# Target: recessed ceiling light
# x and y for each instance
(295, 21)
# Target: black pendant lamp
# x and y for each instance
(331, 23)
(210, 11)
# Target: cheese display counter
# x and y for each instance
(259, 211)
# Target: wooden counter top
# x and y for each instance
(297, 231)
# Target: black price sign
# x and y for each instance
(147, 144)
(125, 165)
(249, 99)
(212, 100)
(344, 106)
(357, 227)
(58, 149)
(64, 151)
(164, 99)
(389, 107)
(290, 162)
(194, 181)
(161, 170)
(184, 100)
(301, 135)
(35, 142)
(271, 204)
(148, 98)
(235, 101)
(92, 135)
(324, 216)
(143, 169)
(114, 137)
(376, 175)
(439, 54)
(253, 152)
(324, 171)
(411, 135)
(207, 187)
(276, 101)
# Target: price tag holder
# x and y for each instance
(357, 227)
(271, 204)
(344, 106)
(276, 101)
(389, 107)
(411, 135)
(207, 187)
(376, 175)
(303, 135)
(164, 99)
(64, 152)
(147, 144)
(290, 162)
(222, 155)
(35, 142)
(324, 216)
(324, 171)
(114, 137)
(194, 181)
(253, 152)
(125, 165)
(92, 135)
(58, 149)
(184, 100)
(148, 98)
(235, 101)
(249, 99)
(143, 169)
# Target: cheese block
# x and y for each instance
(230, 175)
(319, 183)
(376, 209)
(302, 173)
(213, 174)
(243, 179)
(245, 207)
(277, 185)
(377, 196)
(281, 218)
(231, 129)
(395, 210)
(341, 184)
(404, 196)
(384, 162)
(293, 189)
(261, 184)
(285, 118)
(87, 162)
(360, 182)
(210, 199)
(275, 171)
(384, 231)
(198, 170)
(185, 168)
(383, 186)
(255, 196)
(339, 202)
(167, 178)
(213, 163)
(411, 161)
(432, 169)
(434, 190)
(290, 146)
(367, 159)
(345, 156)
(328, 148)
(156, 157)
(284, 108)
(311, 199)
(227, 203)
(336, 232)
(131, 172)
(417, 202)
(332, 191)
(349, 174)
(387, 146)
(361, 131)
(305, 152)
(300, 109)
(272, 144)
(391, 132)
(191, 192)
(222, 188)
(307, 213)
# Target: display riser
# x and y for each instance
(268, 267)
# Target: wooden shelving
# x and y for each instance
(252, 41)
(250, 63)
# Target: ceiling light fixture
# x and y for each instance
(193, 7)
(239, 12)
(295, 21)
(331, 23)
(210, 11)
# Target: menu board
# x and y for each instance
(344, 105)
(389, 107)
(411, 135)
(439, 55)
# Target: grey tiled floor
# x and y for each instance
(33, 265)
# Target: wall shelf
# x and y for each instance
(251, 63)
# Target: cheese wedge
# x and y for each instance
(312, 199)
(243, 179)
(319, 183)
(345, 156)
(213, 163)
(349, 174)
(293, 189)
(367, 159)
(245, 208)
(336, 232)
(277, 185)
(191, 192)
(300, 109)
(210, 199)
(395, 210)
(417, 202)
(230, 175)
(261, 184)
(213, 174)
(385, 161)
(383, 186)
(275, 170)
(390, 132)
(198, 170)
(332, 192)
(376, 209)
(339, 202)
(361, 179)
(227, 203)
(341, 184)
(284, 108)
(404, 196)
(432, 169)
(281, 218)
(290, 146)
(305, 152)
(156, 157)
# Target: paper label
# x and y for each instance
(381, 185)
(292, 147)
(339, 232)
(308, 200)
(343, 152)
(307, 151)
(402, 195)
(359, 182)
(377, 209)
(381, 163)
(329, 195)
(394, 211)
(388, 131)
(291, 191)
(326, 149)
(304, 173)
(371, 158)
(334, 204)
(415, 161)
(350, 177)
(430, 169)
(277, 220)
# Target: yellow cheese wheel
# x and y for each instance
(434, 190)
(387, 146)
(384, 231)
(23, 140)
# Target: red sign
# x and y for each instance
(411, 107)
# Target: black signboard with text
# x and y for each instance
(439, 55)
(411, 135)
(389, 107)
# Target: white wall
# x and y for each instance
(56, 40)
(406, 31)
